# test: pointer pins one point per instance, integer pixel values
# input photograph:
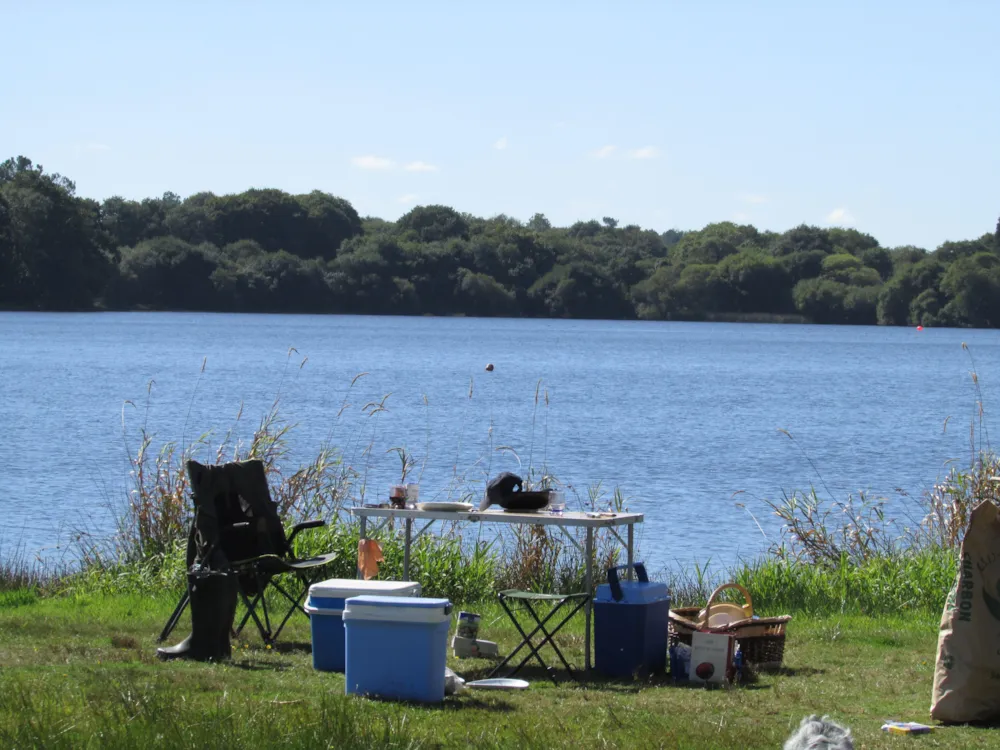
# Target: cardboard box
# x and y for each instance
(711, 658)
(472, 648)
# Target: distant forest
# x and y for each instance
(269, 251)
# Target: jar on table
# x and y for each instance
(397, 496)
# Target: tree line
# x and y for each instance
(270, 251)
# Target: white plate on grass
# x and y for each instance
(455, 507)
(498, 683)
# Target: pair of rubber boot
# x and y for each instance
(213, 598)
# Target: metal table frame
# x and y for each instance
(562, 521)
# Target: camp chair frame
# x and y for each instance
(523, 601)
(265, 571)
(242, 518)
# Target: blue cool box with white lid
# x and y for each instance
(325, 607)
(630, 625)
(396, 647)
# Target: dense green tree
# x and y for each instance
(714, 242)
(850, 241)
(479, 294)
(973, 284)
(803, 239)
(579, 290)
(56, 255)
(538, 223)
(267, 250)
(329, 222)
(897, 295)
(807, 264)
(754, 283)
(879, 260)
(821, 300)
(433, 223)
(949, 252)
(166, 273)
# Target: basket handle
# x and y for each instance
(748, 608)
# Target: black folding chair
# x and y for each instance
(253, 540)
(514, 601)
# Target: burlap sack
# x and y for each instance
(967, 674)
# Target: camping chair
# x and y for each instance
(514, 601)
(252, 539)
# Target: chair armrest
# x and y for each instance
(314, 524)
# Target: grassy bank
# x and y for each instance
(80, 671)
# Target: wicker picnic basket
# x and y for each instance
(761, 640)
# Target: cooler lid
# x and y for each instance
(634, 592)
(397, 609)
(344, 588)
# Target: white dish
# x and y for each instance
(457, 507)
(498, 683)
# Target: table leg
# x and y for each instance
(631, 557)
(590, 594)
(364, 528)
(406, 549)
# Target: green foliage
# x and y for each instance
(881, 585)
(54, 254)
(434, 223)
(264, 250)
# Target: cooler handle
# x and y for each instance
(616, 587)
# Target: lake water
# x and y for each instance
(680, 416)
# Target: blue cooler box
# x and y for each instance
(325, 607)
(396, 647)
(630, 625)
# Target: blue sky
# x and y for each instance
(880, 115)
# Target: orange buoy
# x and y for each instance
(489, 367)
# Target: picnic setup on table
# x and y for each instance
(391, 642)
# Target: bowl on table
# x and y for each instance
(525, 502)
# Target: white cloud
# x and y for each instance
(604, 152)
(501, 144)
(840, 217)
(408, 198)
(647, 152)
(753, 198)
(741, 216)
(420, 166)
(372, 162)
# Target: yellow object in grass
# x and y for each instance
(906, 727)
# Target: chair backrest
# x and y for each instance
(233, 493)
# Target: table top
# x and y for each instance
(535, 518)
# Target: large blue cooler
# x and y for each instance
(630, 625)
(325, 607)
(396, 647)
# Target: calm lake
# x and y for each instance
(680, 416)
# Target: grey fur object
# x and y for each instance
(815, 733)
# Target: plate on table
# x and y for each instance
(454, 507)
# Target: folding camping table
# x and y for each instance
(563, 521)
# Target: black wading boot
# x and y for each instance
(213, 607)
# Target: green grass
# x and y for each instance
(80, 671)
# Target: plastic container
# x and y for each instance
(468, 625)
(630, 625)
(396, 647)
(325, 606)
